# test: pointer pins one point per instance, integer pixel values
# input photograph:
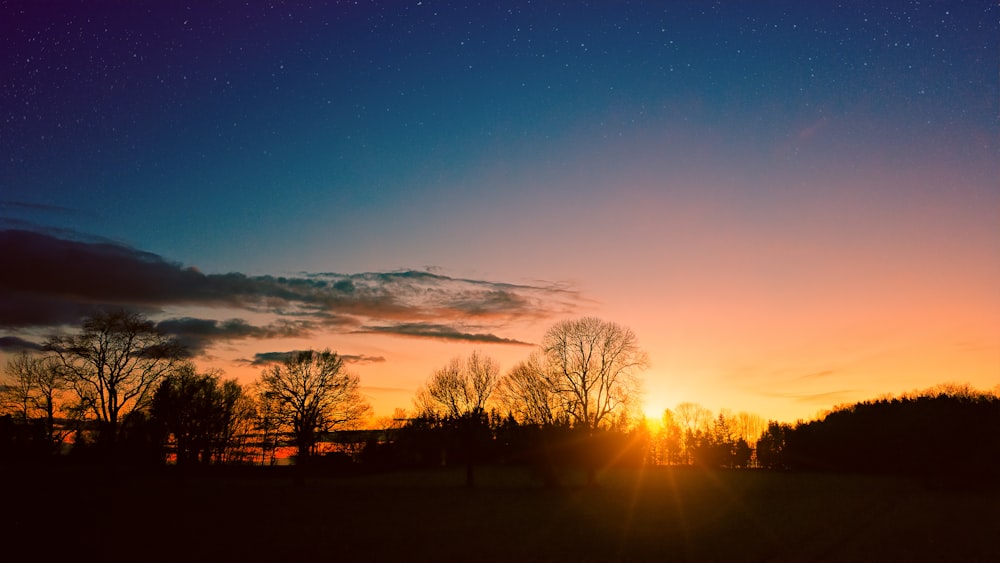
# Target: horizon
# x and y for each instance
(794, 207)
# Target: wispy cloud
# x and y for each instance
(16, 344)
(824, 398)
(198, 334)
(9, 205)
(266, 358)
(53, 279)
(362, 359)
(439, 332)
(816, 375)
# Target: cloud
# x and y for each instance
(199, 334)
(825, 398)
(29, 206)
(51, 280)
(362, 359)
(828, 397)
(439, 332)
(17, 344)
(816, 375)
(265, 358)
(73, 276)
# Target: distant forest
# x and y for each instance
(118, 390)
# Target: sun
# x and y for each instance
(653, 411)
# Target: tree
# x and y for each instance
(747, 426)
(592, 367)
(771, 445)
(693, 417)
(113, 364)
(200, 415)
(695, 422)
(459, 393)
(949, 434)
(312, 394)
(668, 440)
(32, 390)
(31, 387)
(524, 392)
(266, 421)
(460, 388)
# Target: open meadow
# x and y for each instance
(651, 514)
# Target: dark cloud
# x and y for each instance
(198, 334)
(29, 206)
(52, 281)
(56, 278)
(16, 344)
(440, 332)
(265, 358)
(362, 359)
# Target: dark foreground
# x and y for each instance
(658, 514)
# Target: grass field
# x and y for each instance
(655, 514)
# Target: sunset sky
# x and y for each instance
(793, 205)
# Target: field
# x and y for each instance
(655, 514)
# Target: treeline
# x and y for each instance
(691, 434)
(119, 389)
(944, 434)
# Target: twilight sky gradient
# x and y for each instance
(794, 205)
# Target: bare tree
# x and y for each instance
(313, 393)
(693, 417)
(460, 392)
(267, 425)
(460, 388)
(18, 390)
(113, 363)
(695, 422)
(593, 366)
(747, 426)
(395, 421)
(32, 389)
(525, 393)
(241, 414)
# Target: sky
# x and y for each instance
(793, 205)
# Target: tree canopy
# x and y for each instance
(593, 368)
(313, 393)
(113, 363)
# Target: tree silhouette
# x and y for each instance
(459, 393)
(526, 393)
(949, 435)
(312, 394)
(460, 388)
(201, 416)
(771, 445)
(112, 365)
(695, 422)
(32, 390)
(592, 367)
(668, 441)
